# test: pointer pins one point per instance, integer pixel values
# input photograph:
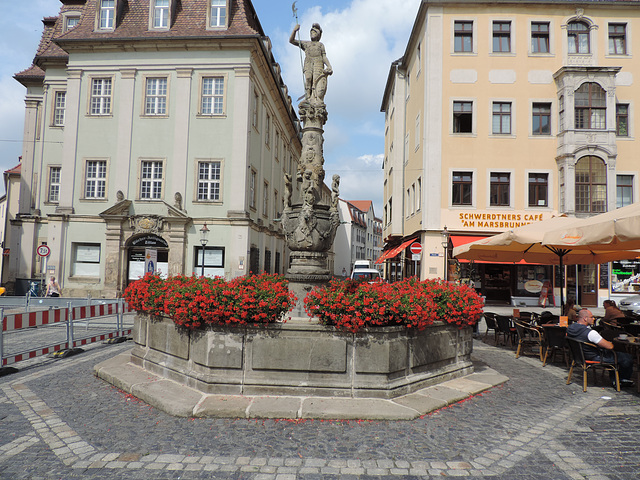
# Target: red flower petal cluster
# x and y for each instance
(352, 305)
(195, 302)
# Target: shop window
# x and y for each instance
(625, 277)
(212, 260)
(591, 185)
(86, 260)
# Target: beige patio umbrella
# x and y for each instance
(525, 243)
(615, 230)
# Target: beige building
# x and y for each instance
(505, 113)
(146, 120)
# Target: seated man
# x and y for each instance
(581, 330)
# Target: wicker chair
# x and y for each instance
(529, 336)
(505, 328)
(576, 347)
(554, 341)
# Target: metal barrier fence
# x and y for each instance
(29, 302)
(31, 334)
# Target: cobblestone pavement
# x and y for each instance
(58, 421)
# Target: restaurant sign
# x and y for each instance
(497, 220)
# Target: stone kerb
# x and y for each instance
(302, 359)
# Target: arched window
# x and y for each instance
(578, 37)
(591, 185)
(591, 106)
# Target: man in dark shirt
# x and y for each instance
(581, 330)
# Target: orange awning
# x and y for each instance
(392, 252)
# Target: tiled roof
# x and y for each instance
(363, 205)
(32, 72)
(189, 20)
(14, 171)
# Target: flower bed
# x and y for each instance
(196, 302)
(351, 306)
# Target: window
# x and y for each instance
(86, 260)
(209, 181)
(540, 37)
(419, 195)
(107, 13)
(212, 96)
(212, 261)
(161, 14)
(417, 132)
(578, 37)
(267, 261)
(538, 189)
(501, 118)
(95, 179)
(617, 39)
(499, 189)
(151, 180)
(156, 97)
(462, 117)
(591, 106)
(255, 110)
(265, 199)
(501, 37)
(276, 212)
(541, 118)
(622, 120)
(101, 96)
(54, 184)
(218, 13)
(252, 189)
(59, 105)
(561, 113)
(463, 37)
(276, 147)
(462, 188)
(624, 190)
(70, 22)
(591, 185)
(267, 130)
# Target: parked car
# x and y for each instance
(630, 305)
(366, 275)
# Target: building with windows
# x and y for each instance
(146, 120)
(505, 113)
(359, 236)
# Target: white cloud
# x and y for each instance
(360, 179)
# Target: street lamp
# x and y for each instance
(204, 239)
(445, 245)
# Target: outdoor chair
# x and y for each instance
(490, 320)
(526, 317)
(576, 347)
(554, 341)
(505, 329)
(528, 336)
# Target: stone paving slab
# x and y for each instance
(58, 421)
(182, 401)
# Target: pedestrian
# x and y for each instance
(53, 289)
(581, 330)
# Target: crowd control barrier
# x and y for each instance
(32, 334)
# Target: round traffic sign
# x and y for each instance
(416, 248)
(43, 251)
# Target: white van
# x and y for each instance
(361, 264)
(370, 275)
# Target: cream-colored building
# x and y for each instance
(504, 113)
(146, 120)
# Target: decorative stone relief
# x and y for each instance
(146, 224)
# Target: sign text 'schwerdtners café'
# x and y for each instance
(489, 220)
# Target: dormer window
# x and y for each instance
(218, 13)
(161, 14)
(107, 14)
(71, 21)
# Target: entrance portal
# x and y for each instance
(135, 256)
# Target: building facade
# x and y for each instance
(505, 113)
(146, 120)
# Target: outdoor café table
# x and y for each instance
(631, 346)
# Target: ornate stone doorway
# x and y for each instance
(135, 255)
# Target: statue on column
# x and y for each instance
(315, 73)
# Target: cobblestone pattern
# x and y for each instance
(57, 421)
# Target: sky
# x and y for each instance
(362, 38)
